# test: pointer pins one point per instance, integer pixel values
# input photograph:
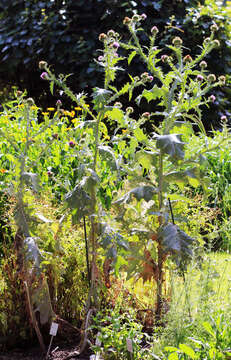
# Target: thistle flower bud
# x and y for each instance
(177, 41)
(207, 41)
(49, 173)
(143, 16)
(118, 105)
(212, 98)
(30, 102)
(214, 27)
(115, 45)
(127, 20)
(111, 33)
(154, 30)
(58, 103)
(187, 59)
(55, 136)
(129, 110)
(136, 78)
(145, 75)
(44, 76)
(102, 37)
(222, 79)
(42, 65)
(224, 118)
(100, 58)
(19, 93)
(146, 115)
(211, 78)
(203, 64)
(164, 58)
(72, 144)
(150, 78)
(200, 78)
(136, 18)
(216, 42)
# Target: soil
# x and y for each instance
(62, 352)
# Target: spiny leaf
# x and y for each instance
(171, 145)
(32, 252)
(152, 94)
(100, 96)
(131, 56)
(124, 89)
(107, 155)
(79, 201)
(175, 240)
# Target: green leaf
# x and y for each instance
(171, 145)
(116, 114)
(32, 253)
(145, 192)
(187, 350)
(175, 240)
(79, 201)
(152, 94)
(173, 356)
(207, 326)
(139, 134)
(124, 89)
(108, 155)
(100, 96)
(189, 176)
(131, 56)
(145, 158)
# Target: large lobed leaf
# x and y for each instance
(175, 240)
(145, 192)
(171, 145)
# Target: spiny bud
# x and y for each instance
(115, 45)
(127, 20)
(146, 115)
(200, 78)
(136, 78)
(164, 58)
(207, 41)
(145, 75)
(187, 59)
(118, 105)
(224, 118)
(136, 18)
(143, 16)
(30, 101)
(72, 144)
(49, 173)
(129, 110)
(55, 136)
(222, 79)
(44, 76)
(177, 41)
(154, 30)
(211, 78)
(42, 65)
(111, 33)
(58, 103)
(150, 78)
(214, 27)
(203, 64)
(212, 98)
(100, 58)
(102, 37)
(216, 42)
(19, 93)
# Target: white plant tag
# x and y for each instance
(98, 341)
(54, 329)
(129, 346)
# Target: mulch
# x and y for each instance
(62, 352)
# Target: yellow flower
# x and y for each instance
(33, 107)
(2, 171)
(23, 139)
(21, 105)
(45, 113)
(50, 109)
(74, 120)
(124, 131)
(78, 108)
(72, 113)
(67, 129)
(106, 137)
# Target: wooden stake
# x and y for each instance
(33, 319)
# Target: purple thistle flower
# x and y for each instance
(200, 78)
(115, 45)
(212, 98)
(71, 144)
(44, 76)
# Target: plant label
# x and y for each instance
(98, 341)
(129, 345)
(54, 329)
